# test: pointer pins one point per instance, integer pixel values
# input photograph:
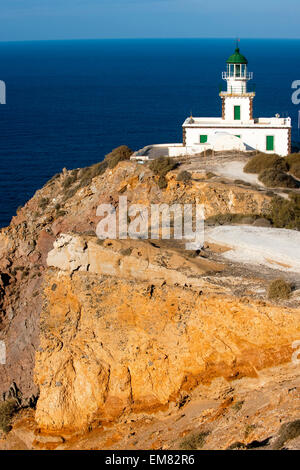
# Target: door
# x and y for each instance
(237, 113)
(270, 143)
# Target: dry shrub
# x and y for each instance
(279, 289)
(226, 219)
(7, 411)
(43, 203)
(117, 155)
(293, 159)
(162, 165)
(263, 161)
(273, 178)
(68, 181)
(184, 176)
(194, 441)
(287, 432)
(285, 213)
(295, 170)
(162, 182)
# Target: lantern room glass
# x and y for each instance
(237, 70)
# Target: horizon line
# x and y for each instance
(151, 38)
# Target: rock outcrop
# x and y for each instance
(60, 207)
(109, 345)
(100, 330)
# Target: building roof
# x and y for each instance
(218, 122)
(237, 58)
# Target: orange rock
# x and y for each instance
(108, 347)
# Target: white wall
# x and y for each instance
(227, 142)
(231, 102)
(254, 138)
(236, 86)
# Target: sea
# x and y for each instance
(69, 103)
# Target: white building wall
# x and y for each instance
(243, 102)
(235, 85)
(254, 138)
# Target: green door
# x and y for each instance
(203, 139)
(270, 142)
(237, 113)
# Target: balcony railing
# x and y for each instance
(237, 91)
(241, 76)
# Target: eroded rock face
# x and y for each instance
(128, 260)
(109, 345)
(112, 336)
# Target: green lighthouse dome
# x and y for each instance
(237, 58)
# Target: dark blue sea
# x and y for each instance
(70, 102)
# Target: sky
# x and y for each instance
(79, 19)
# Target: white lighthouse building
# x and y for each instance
(236, 129)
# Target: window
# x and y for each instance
(270, 143)
(203, 139)
(237, 113)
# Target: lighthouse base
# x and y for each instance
(268, 135)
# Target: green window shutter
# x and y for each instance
(203, 139)
(237, 113)
(270, 142)
(238, 136)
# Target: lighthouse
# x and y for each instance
(237, 103)
(236, 128)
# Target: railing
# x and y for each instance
(231, 90)
(237, 91)
(242, 76)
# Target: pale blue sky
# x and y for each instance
(68, 19)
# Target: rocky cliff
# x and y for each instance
(99, 330)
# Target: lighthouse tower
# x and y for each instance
(237, 103)
(236, 129)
